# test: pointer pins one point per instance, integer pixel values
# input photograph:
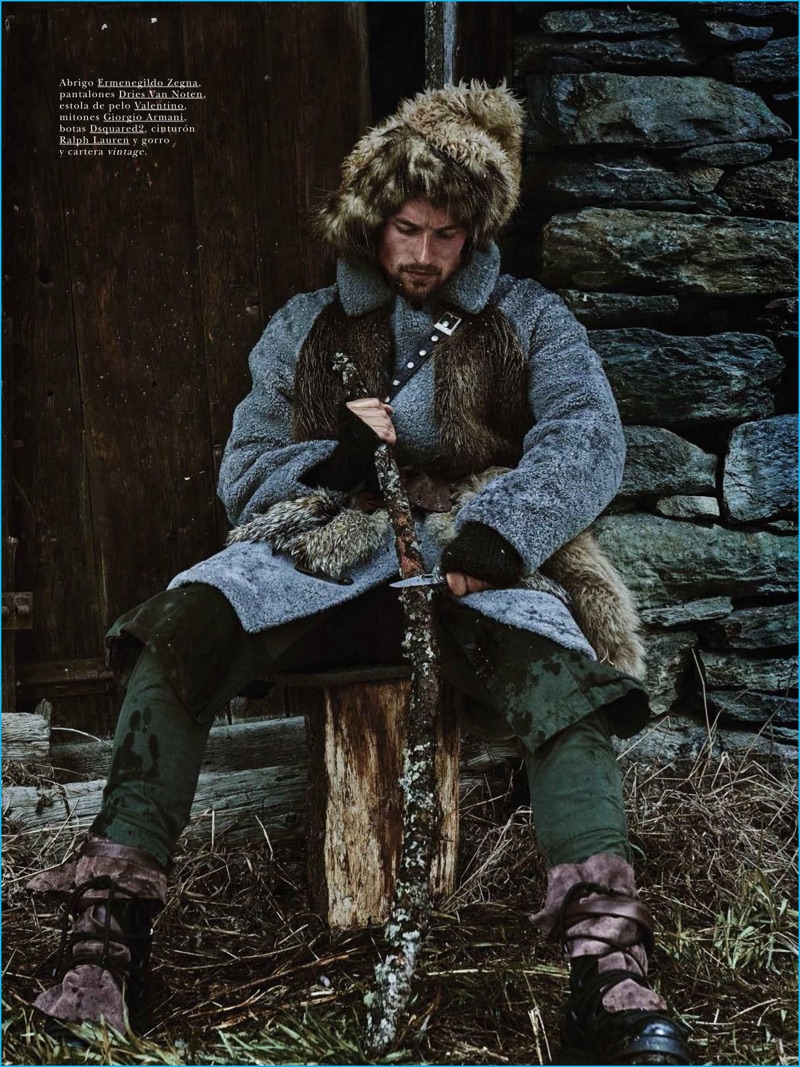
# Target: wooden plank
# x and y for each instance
(225, 208)
(50, 504)
(380, 672)
(133, 249)
(440, 43)
(9, 542)
(300, 133)
(65, 678)
(484, 41)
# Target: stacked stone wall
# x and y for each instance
(660, 201)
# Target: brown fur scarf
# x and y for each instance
(480, 394)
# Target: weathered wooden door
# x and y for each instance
(135, 286)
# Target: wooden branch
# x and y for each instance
(411, 905)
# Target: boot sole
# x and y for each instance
(570, 1056)
(73, 1034)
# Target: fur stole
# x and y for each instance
(326, 538)
(320, 535)
(480, 395)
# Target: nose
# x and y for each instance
(423, 249)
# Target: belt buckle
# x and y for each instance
(448, 324)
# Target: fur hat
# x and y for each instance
(459, 146)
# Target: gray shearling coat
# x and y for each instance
(570, 470)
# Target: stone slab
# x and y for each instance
(679, 614)
(688, 507)
(628, 179)
(669, 252)
(680, 738)
(775, 62)
(606, 310)
(659, 461)
(766, 189)
(668, 657)
(670, 380)
(770, 626)
(664, 561)
(533, 54)
(777, 716)
(657, 110)
(760, 475)
(732, 34)
(727, 155)
(780, 317)
(728, 671)
(747, 10)
(601, 21)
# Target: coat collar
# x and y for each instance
(363, 289)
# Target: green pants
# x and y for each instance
(183, 655)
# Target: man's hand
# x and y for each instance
(377, 416)
(460, 584)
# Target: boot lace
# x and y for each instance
(70, 939)
(605, 903)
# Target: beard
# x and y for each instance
(417, 284)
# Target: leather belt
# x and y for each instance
(426, 491)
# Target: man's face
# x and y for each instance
(420, 248)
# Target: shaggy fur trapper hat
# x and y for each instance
(459, 146)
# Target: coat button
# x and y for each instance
(410, 365)
(423, 352)
(395, 381)
(435, 337)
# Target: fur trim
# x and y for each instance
(459, 146)
(317, 533)
(322, 536)
(318, 390)
(602, 604)
(580, 575)
(480, 389)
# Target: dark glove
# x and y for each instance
(352, 461)
(481, 552)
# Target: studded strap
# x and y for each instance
(445, 326)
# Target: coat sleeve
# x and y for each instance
(574, 454)
(260, 464)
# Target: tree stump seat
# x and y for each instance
(355, 720)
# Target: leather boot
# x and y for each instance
(110, 893)
(612, 1014)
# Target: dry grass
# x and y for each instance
(245, 975)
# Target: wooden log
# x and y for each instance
(356, 743)
(247, 746)
(252, 769)
(26, 737)
(243, 805)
